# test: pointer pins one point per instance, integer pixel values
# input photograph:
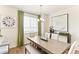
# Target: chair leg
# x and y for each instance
(25, 51)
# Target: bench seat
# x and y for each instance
(32, 50)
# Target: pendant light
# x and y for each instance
(41, 14)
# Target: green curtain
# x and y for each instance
(39, 26)
(20, 40)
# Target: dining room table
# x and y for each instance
(50, 46)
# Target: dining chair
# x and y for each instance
(47, 35)
(62, 38)
(72, 48)
(54, 36)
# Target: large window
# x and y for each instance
(30, 24)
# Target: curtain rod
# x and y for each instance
(30, 13)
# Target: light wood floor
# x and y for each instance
(17, 50)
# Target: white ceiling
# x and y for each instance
(46, 9)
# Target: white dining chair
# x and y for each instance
(54, 36)
(62, 38)
(47, 35)
(72, 48)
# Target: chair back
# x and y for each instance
(47, 35)
(72, 48)
(54, 36)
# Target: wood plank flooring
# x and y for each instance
(17, 50)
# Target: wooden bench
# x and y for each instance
(29, 49)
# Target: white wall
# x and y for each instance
(73, 21)
(10, 34)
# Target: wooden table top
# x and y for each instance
(50, 46)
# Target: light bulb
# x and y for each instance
(37, 19)
(41, 19)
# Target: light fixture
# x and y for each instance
(41, 14)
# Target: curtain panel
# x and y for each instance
(20, 40)
(39, 26)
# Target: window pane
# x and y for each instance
(26, 21)
(30, 24)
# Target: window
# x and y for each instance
(30, 24)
